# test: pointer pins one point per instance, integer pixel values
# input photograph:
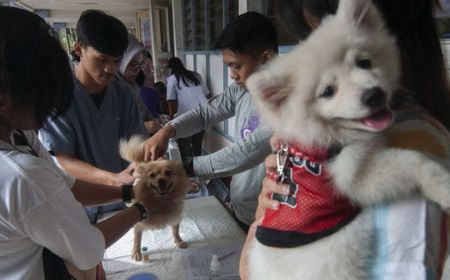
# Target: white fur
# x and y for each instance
(365, 170)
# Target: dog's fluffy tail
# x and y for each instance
(132, 150)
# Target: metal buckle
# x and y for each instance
(282, 156)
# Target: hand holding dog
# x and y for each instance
(156, 146)
(125, 177)
(270, 186)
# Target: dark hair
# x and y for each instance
(181, 73)
(160, 87)
(34, 67)
(249, 33)
(103, 32)
(424, 76)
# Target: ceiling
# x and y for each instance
(68, 11)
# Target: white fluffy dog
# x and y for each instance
(334, 90)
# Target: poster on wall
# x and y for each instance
(145, 33)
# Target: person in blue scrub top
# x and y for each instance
(85, 140)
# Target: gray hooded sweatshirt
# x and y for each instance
(244, 159)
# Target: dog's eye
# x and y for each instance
(364, 63)
(152, 175)
(328, 92)
(168, 173)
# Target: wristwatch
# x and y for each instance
(144, 212)
(127, 193)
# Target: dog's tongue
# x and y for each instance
(380, 120)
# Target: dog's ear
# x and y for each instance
(361, 13)
(269, 86)
(133, 149)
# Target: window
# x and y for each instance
(188, 24)
(200, 35)
(204, 20)
(284, 36)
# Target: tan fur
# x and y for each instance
(162, 184)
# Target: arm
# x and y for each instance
(87, 172)
(75, 239)
(235, 158)
(116, 226)
(119, 224)
(264, 202)
(156, 146)
(214, 111)
(217, 109)
(89, 194)
(417, 135)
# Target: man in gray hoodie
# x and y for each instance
(247, 42)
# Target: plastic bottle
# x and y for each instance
(173, 152)
(145, 254)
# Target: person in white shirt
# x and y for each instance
(185, 91)
(44, 232)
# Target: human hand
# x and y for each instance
(125, 177)
(269, 186)
(156, 146)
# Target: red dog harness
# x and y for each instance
(313, 209)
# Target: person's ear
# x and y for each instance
(267, 56)
(78, 48)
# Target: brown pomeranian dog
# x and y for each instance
(163, 184)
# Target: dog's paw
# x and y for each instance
(181, 244)
(136, 255)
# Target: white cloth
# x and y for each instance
(410, 235)
(408, 240)
(188, 97)
(206, 227)
(37, 209)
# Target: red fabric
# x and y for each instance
(317, 206)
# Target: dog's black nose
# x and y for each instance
(374, 98)
(162, 182)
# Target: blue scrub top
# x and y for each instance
(93, 134)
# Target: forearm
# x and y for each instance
(203, 116)
(116, 226)
(85, 171)
(90, 194)
(235, 158)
